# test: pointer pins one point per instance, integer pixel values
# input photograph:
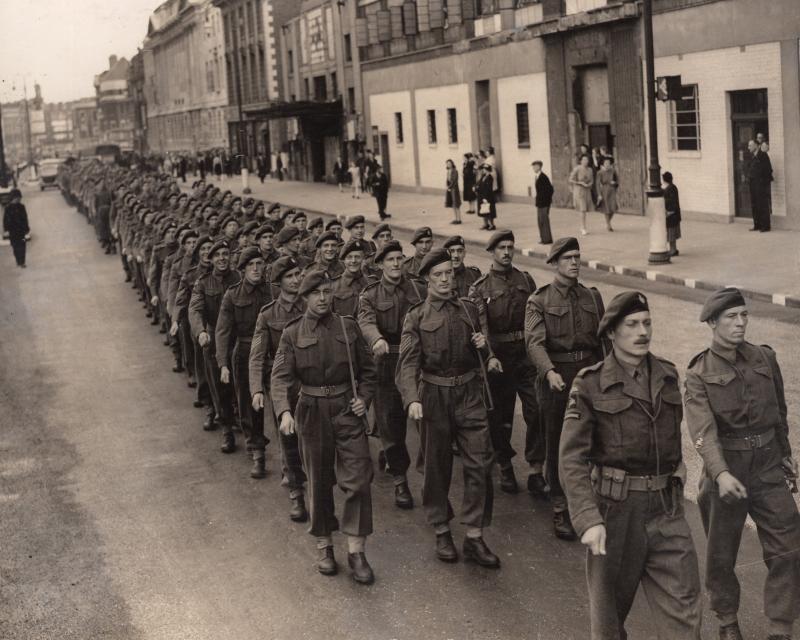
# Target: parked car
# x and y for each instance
(48, 173)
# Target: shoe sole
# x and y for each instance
(299, 519)
(509, 489)
(328, 573)
(470, 558)
(227, 451)
(366, 581)
(447, 559)
(404, 505)
(566, 537)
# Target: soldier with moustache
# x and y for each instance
(348, 287)
(463, 276)
(326, 354)
(204, 306)
(422, 241)
(440, 377)
(328, 255)
(286, 275)
(233, 337)
(621, 467)
(382, 309)
(561, 321)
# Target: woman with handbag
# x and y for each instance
(453, 198)
(582, 179)
(484, 189)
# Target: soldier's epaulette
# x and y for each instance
(697, 358)
(543, 288)
(766, 346)
(475, 269)
(293, 321)
(590, 369)
(481, 279)
(266, 306)
(414, 306)
(665, 361)
(371, 285)
(233, 286)
(467, 299)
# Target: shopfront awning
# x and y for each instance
(300, 109)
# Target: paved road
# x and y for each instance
(119, 518)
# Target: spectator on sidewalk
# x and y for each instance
(355, 180)
(261, 166)
(672, 204)
(542, 193)
(217, 165)
(486, 199)
(759, 175)
(606, 184)
(279, 167)
(581, 180)
(453, 197)
(340, 173)
(380, 189)
(15, 226)
(468, 175)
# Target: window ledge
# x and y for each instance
(523, 145)
(685, 154)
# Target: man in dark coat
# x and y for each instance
(15, 226)
(759, 176)
(542, 199)
(380, 189)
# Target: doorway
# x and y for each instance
(749, 117)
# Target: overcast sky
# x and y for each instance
(63, 44)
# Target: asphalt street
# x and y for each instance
(119, 518)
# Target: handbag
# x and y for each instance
(485, 208)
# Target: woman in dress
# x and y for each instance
(453, 198)
(581, 181)
(607, 183)
(672, 204)
(468, 174)
(484, 189)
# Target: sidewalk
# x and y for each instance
(712, 255)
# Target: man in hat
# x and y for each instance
(328, 255)
(15, 226)
(300, 220)
(265, 241)
(308, 246)
(288, 244)
(503, 292)
(286, 275)
(382, 308)
(348, 286)
(274, 215)
(561, 321)
(204, 306)
(622, 471)
(180, 265)
(335, 226)
(463, 276)
(736, 413)
(233, 337)
(439, 374)
(381, 235)
(357, 227)
(380, 190)
(422, 241)
(326, 355)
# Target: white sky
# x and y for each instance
(63, 44)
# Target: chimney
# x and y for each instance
(112, 60)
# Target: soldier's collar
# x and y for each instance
(563, 285)
(438, 301)
(725, 352)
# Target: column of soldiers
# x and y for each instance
(286, 330)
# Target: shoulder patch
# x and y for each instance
(697, 358)
(592, 369)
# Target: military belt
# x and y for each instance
(571, 356)
(748, 442)
(448, 381)
(327, 391)
(394, 348)
(513, 336)
(649, 483)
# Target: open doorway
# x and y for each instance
(749, 117)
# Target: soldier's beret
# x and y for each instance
(190, 233)
(562, 245)
(247, 256)
(421, 234)
(719, 301)
(182, 228)
(454, 241)
(285, 235)
(286, 213)
(381, 228)
(249, 228)
(389, 247)
(248, 202)
(219, 244)
(274, 207)
(623, 304)
(315, 222)
(297, 215)
(437, 256)
(353, 221)
(328, 235)
(264, 228)
(332, 223)
(167, 227)
(281, 266)
(181, 196)
(228, 220)
(498, 237)
(200, 242)
(313, 280)
(353, 245)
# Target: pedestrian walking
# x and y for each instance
(582, 180)
(737, 417)
(607, 183)
(542, 194)
(379, 183)
(340, 173)
(15, 226)
(102, 207)
(484, 190)
(622, 470)
(279, 167)
(468, 181)
(355, 180)
(261, 167)
(453, 197)
(672, 204)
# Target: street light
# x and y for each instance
(659, 250)
(241, 128)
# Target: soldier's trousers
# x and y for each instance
(456, 414)
(203, 390)
(390, 417)
(251, 421)
(518, 379)
(334, 449)
(645, 544)
(221, 394)
(771, 506)
(187, 348)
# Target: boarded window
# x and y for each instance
(523, 126)
(372, 28)
(454, 12)
(423, 15)
(436, 11)
(431, 126)
(384, 26)
(410, 18)
(452, 126)
(362, 39)
(684, 120)
(397, 22)
(398, 127)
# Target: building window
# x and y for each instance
(452, 126)
(684, 120)
(431, 126)
(307, 88)
(348, 48)
(523, 126)
(290, 61)
(351, 99)
(398, 127)
(334, 86)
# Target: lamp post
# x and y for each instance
(241, 133)
(659, 250)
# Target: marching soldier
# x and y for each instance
(328, 255)
(736, 414)
(308, 246)
(503, 292)
(335, 226)
(381, 310)
(288, 244)
(272, 319)
(265, 237)
(180, 264)
(463, 276)
(348, 286)
(233, 337)
(357, 227)
(561, 321)
(440, 376)
(622, 472)
(381, 235)
(204, 308)
(422, 241)
(326, 354)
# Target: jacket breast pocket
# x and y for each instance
(306, 355)
(723, 395)
(670, 421)
(610, 413)
(433, 339)
(557, 321)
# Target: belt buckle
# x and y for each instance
(754, 441)
(649, 483)
(327, 390)
(457, 380)
(575, 357)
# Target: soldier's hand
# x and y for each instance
(380, 348)
(287, 424)
(358, 406)
(730, 489)
(154, 300)
(555, 381)
(478, 340)
(415, 411)
(258, 401)
(595, 538)
(173, 330)
(203, 339)
(225, 375)
(494, 366)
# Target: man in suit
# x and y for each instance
(542, 194)
(380, 189)
(759, 176)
